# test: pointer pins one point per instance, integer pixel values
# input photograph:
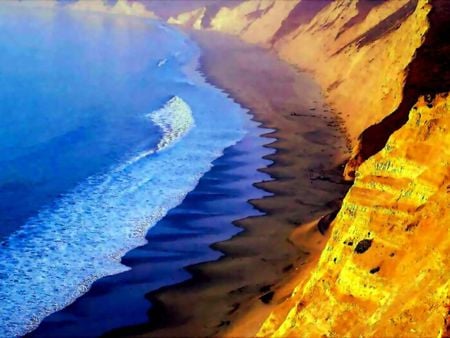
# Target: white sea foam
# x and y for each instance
(161, 62)
(175, 120)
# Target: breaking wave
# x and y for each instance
(175, 120)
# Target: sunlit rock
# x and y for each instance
(384, 271)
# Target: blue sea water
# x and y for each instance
(104, 127)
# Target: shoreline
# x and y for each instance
(179, 240)
(247, 275)
(106, 296)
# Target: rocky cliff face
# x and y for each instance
(384, 271)
(384, 66)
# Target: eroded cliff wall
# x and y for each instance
(385, 270)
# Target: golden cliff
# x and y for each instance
(385, 269)
(385, 68)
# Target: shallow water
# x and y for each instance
(101, 134)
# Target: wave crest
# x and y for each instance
(175, 120)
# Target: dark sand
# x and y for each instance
(310, 148)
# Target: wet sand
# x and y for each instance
(310, 148)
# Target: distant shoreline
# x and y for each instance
(309, 149)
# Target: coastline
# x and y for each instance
(307, 165)
(180, 239)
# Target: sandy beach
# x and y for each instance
(310, 148)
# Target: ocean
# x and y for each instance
(105, 126)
